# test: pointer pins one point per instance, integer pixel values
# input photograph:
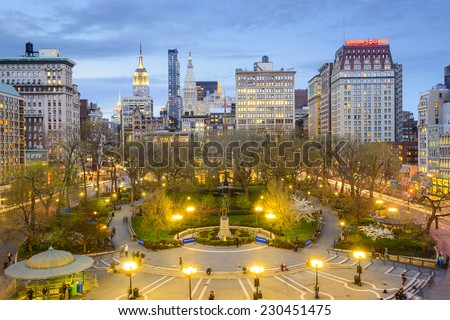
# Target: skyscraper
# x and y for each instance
(360, 93)
(190, 90)
(265, 98)
(140, 99)
(174, 98)
(44, 80)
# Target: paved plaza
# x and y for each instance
(159, 277)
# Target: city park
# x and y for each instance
(273, 206)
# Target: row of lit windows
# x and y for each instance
(267, 115)
(265, 102)
(284, 77)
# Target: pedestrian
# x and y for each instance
(64, 286)
(113, 232)
(237, 242)
(122, 250)
(211, 295)
(61, 293)
(180, 262)
(403, 279)
(9, 257)
(244, 269)
(126, 250)
(69, 291)
(30, 293)
(44, 292)
(308, 262)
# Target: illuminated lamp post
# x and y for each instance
(128, 267)
(257, 270)
(316, 264)
(379, 204)
(189, 271)
(359, 255)
(189, 210)
(258, 210)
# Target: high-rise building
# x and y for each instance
(190, 90)
(51, 101)
(12, 144)
(265, 98)
(174, 101)
(90, 111)
(140, 100)
(434, 129)
(360, 94)
(409, 127)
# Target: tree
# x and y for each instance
(94, 136)
(85, 229)
(436, 198)
(278, 201)
(66, 153)
(156, 210)
(25, 186)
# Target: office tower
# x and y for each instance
(265, 98)
(44, 79)
(190, 90)
(434, 129)
(140, 100)
(12, 144)
(174, 98)
(360, 94)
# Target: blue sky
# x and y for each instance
(103, 38)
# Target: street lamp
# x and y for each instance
(393, 210)
(316, 264)
(190, 209)
(128, 267)
(359, 255)
(379, 203)
(256, 270)
(189, 271)
(258, 210)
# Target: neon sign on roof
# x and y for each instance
(368, 42)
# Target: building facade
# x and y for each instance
(174, 95)
(140, 100)
(12, 126)
(51, 100)
(190, 100)
(360, 94)
(265, 98)
(434, 128)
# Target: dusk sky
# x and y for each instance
(102, 37)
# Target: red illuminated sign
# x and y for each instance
(368, 42)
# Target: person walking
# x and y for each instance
(9, 258)
(44, 292)
(122, 250)
(30, 293)
(180, 262)
(403, 279)
(126, 250)
(69, 291)
(61, 293)
(64, 287)
(211, 295)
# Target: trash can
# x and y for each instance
(73, 287)
(135, 292)
(80, 287)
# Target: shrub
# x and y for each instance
(162, 244)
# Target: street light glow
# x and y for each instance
(379, 202)
(359, 254)
(190, 209)
(129, 266)
(393, 210)
(189, 271)
(270, 216)
(316, 263)
(177, 217)
(258, 208)
(256, 269)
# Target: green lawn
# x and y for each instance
(303, 232)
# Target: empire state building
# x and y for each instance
(141, 82)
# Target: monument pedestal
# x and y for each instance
(224, 231)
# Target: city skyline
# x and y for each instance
(104, 39)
